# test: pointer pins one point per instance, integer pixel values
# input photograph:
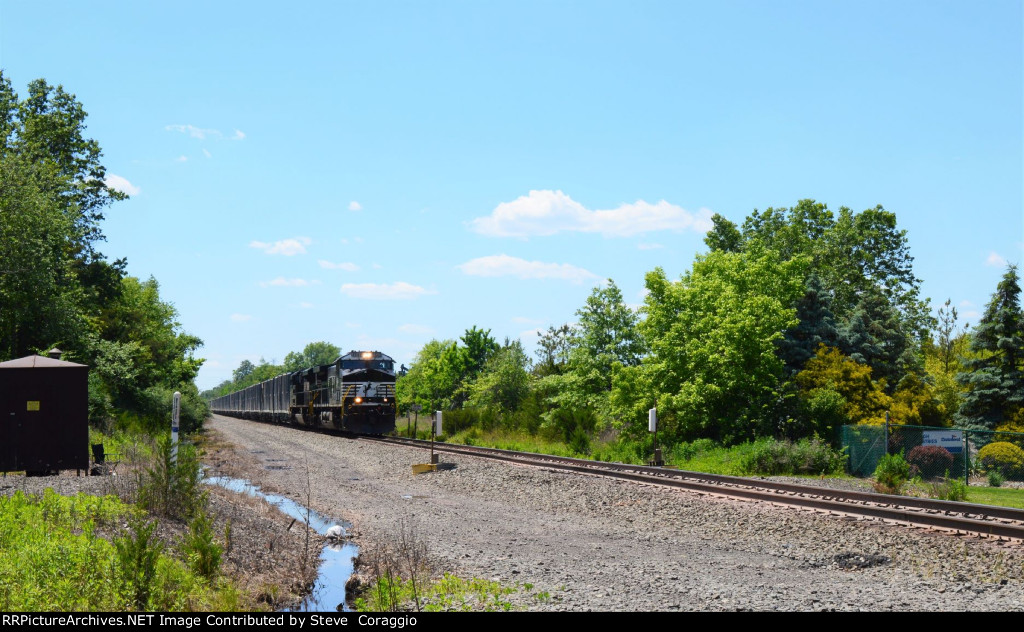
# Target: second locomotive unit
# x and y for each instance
(356, 393)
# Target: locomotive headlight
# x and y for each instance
(359, 400)
(367, 355)
(385, 400)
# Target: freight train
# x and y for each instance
(355, 393)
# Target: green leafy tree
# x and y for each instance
(40, 296)
(479, 348)
(605, 336)
(712, 336)
(995, 379)
(313, 354)
(505, 381)
(244, 370)
(433, 378)
(854, 254)
(554, 348)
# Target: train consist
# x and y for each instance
(355, 393)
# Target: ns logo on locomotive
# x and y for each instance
(356, 393)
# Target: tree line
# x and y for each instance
(57, 289)
(790, 325)
(313, 354)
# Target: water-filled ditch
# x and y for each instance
(336, 559)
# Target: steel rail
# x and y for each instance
(985, 520)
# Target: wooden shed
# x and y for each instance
(44, 415)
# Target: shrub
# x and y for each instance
(568, 422)
(137, 555)
(995, 478)
(891, 474)
(807, 456)
(579, 442)
(930, 460)
(687, 451)
(202, 552)
(172, 487)
(1003, 456)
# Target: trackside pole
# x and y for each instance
(435, 429)
(652, 426)
(175, 415)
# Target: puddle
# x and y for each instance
(328, 593)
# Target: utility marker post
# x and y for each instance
(652, 426)
(435, 429)
(175, 416)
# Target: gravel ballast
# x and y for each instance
(574, 542)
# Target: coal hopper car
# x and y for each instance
(355, 393)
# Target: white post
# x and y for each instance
(175, 415)
(438, 429)
(652, 420)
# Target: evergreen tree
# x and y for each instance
(995, 378)
(875, 335)
(817, 326)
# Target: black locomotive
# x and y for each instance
(356, 393)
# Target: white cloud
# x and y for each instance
(649, 246)
(385, 291)
(181, 159)
(966, 303)
(504, 265)
(283, 282)
(410, 328)
(305, 305)
(971, 314)
(206, 152)
(544, 213)
(193, 131)
(345, 265)
(523, 320)
(203, 133)
(531, 333)
(995, 260)
(355, 206)
(353, 325)
(286, 247)
(240, 318)
(121, 184)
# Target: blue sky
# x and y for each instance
(377, 174)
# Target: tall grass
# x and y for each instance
(60, 553)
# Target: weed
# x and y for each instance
(201, 551)
(949, 489)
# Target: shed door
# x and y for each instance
(38, 435)
(8, 440)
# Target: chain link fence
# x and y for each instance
(936, 452)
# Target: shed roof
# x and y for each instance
(38, 362)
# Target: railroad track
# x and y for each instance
(999, 523)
